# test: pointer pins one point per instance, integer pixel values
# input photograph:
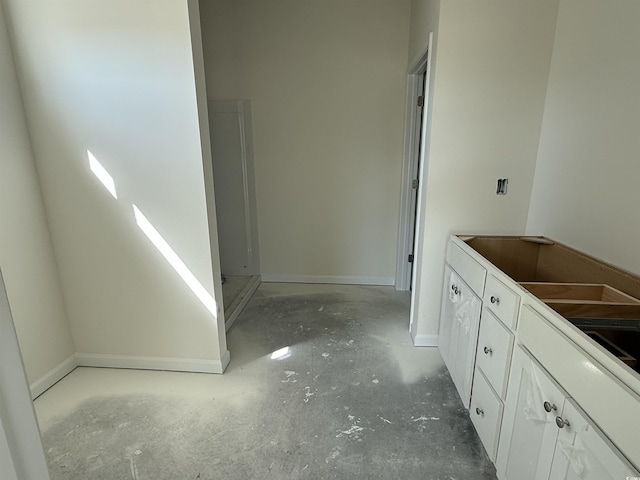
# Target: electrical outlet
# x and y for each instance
(502, 186)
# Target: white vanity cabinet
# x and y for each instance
(493, 360)
(502, 301)
(547, 401)
(493, 354)
(529, 431)
(446, 315)
(583, 452)
(486, 413)
(459, 323)
(479, 369)
(546, 436)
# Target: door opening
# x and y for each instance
(412, 171)
(413, 189)
(415, 174)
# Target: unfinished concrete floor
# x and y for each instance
(344, 396)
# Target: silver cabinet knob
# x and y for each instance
(561, 422)
(495, 300)
(549, 406)
(488, 351)
(479, 411)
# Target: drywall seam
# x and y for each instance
(424, 340)
(336, 279)
(53, 376)
(194, 365)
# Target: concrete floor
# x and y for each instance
(323, 384)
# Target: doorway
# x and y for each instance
(415, 172)
(412, 173)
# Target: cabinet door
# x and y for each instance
(466, 325)
(459, 323)
(529, 431)
(446, 315)
(584, 453)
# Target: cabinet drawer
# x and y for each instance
(495, 345)
(471, 271)
(486, 414)
(502, 301)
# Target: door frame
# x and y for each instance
(425, 59)
(413, 151)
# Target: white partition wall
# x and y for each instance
(21, 454)
(26, 254)
(110, 95)
(489, 82)
(586, 184)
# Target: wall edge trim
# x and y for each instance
(226, 358)
(335, 279)
(53, 376)
(194, 365)
(422, 340)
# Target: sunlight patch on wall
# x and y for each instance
(102, 174)
(174, 260)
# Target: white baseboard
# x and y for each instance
(53, 376)
(337, 279)
(243, 299)
(195, 365)
(226, 358)
(422, 340)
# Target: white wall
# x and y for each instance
(20, 446)
(490, 79)
(586, 186)
(327, 80)
(118, 78)
(26, 254)
(425, 17)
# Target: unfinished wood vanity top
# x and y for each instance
(591, 294)
(578, 293)
(585, 299)
(539, 259)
